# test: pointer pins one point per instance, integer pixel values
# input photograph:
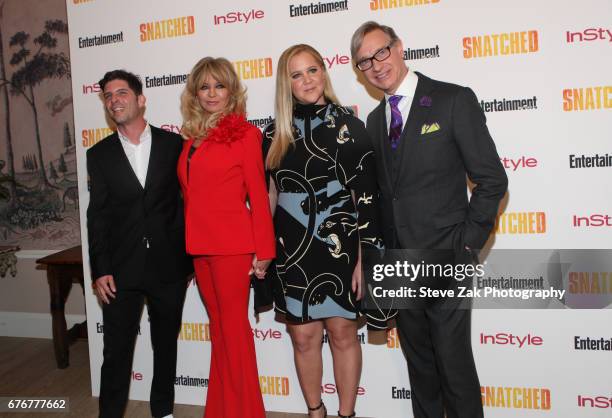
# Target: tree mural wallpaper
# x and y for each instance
(38, 179)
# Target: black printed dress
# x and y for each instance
(318, 232)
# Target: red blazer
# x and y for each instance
(223, 170)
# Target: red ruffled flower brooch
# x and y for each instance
(230, 128)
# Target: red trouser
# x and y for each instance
(233, 390)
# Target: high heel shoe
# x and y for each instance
(346, 416)
(316, 408)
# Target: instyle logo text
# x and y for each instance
(595, 220)
(599, 402)
(91, 88)
(589, 35)
(509, 339)
(238, 17)
(338, 59)
(267, 334)
(170, 127)
(515, 164)
(331, 389)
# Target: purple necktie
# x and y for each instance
(395, 129)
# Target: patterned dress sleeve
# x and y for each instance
(356, 169)
(268, 133)
(263, 291)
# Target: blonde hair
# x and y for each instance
(196, 121)
(284, 102)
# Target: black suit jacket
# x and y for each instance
(423, 184)
(134, 231)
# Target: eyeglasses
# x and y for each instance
(380, 55)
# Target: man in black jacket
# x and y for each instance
(428, 137)
(136, 244)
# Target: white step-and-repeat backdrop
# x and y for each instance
(542, 72)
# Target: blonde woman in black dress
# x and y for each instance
(323, 197)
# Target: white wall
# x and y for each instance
(545, 135)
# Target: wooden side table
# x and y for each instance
(63, 269)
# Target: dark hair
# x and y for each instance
(132, 79)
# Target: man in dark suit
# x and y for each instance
(428, 136)
(136, 244)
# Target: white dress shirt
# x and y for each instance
(406, 89)
(138, 155)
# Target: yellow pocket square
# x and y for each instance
(427, 129)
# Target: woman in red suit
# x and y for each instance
(221, 164)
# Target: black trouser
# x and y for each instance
(121, 320)
(437, 344)
(441, 366)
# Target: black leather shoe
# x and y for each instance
(346, 416)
